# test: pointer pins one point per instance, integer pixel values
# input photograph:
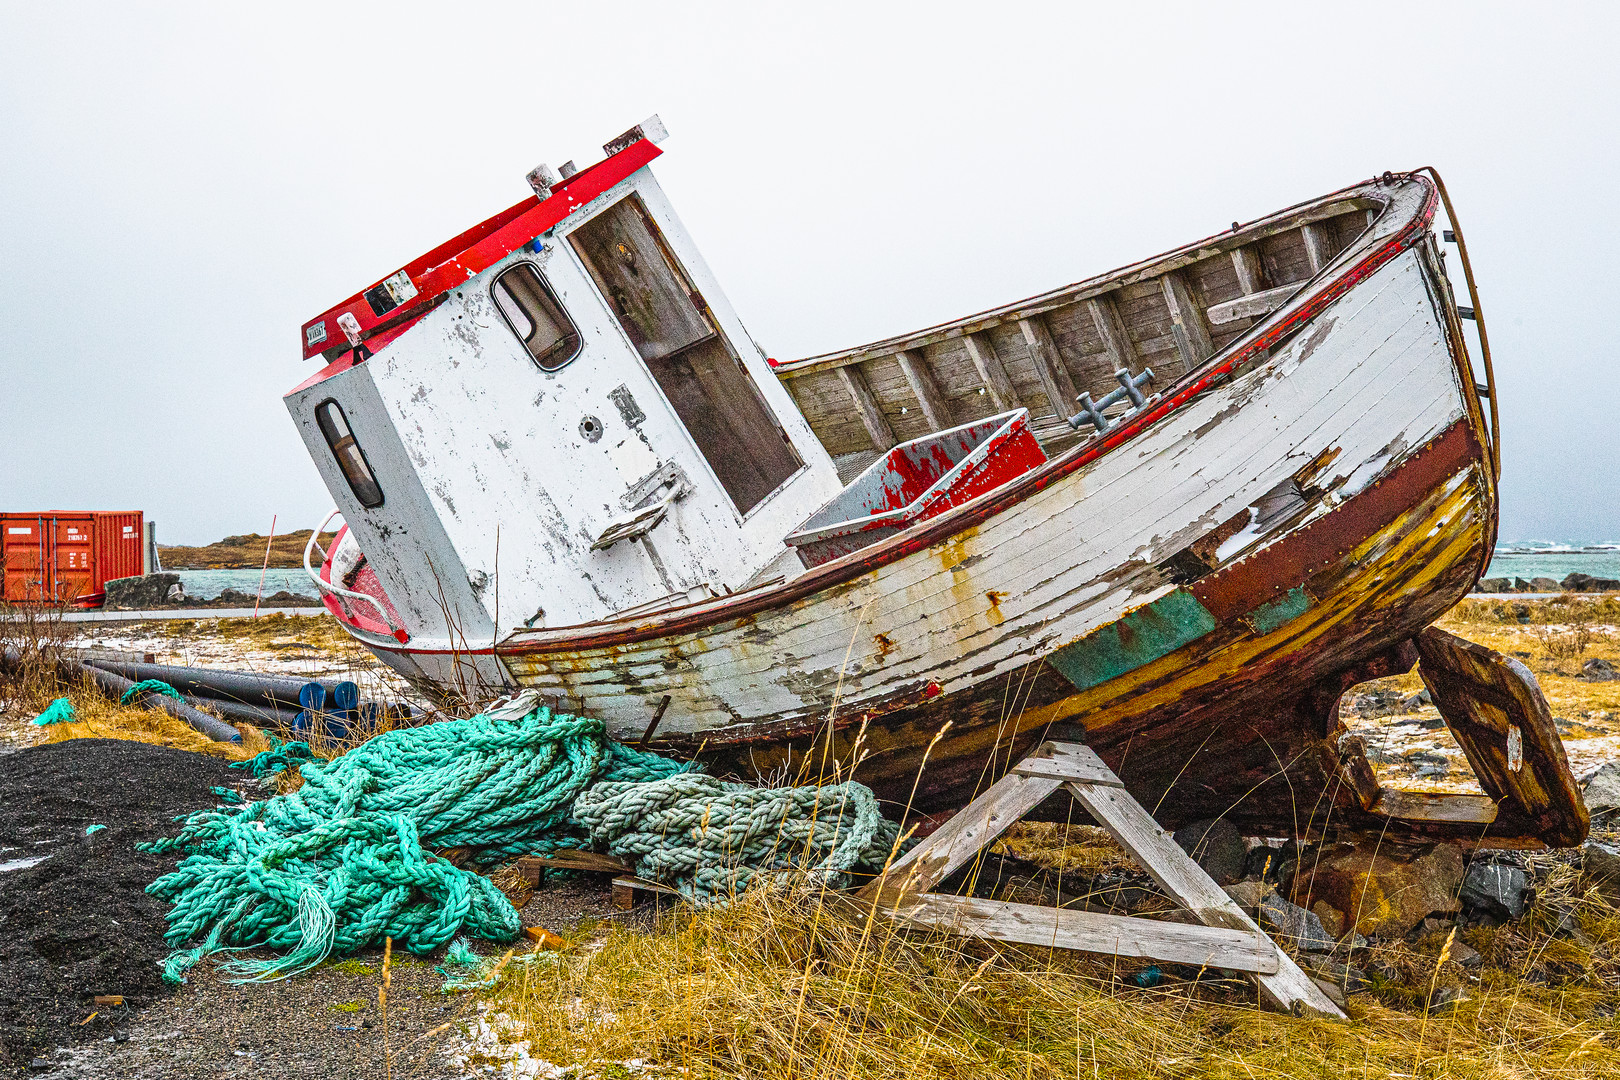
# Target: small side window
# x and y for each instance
(350, 458)
(534, 315)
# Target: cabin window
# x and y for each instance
(350, 458)
(675, 332)
(534, 315)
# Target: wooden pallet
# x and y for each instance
(1228, 938)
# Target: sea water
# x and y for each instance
(207, 584)
(1555, 559)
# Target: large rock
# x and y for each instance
(1495, 890)
(1295, 925)
(1217, 846)
(1494, 585)
(1384, 893)
(1602, 789)
(1544, 584)
(144, 593)
(1600, 866)
(1598, 669)
(1588, 583)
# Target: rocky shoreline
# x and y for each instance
(1572, 583)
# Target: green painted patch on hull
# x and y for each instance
(1285, 609)
(1141, 637)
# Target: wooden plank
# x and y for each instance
(1068, 762)
(1497, 714)
(983, 354)
(1111, 328)
(1096, 932)
(627, 889)
(968, 832)
(866, 406)
(1434, 806)
(921, 381)
(531, 866)
(1255, 304)
(1318, 249)
(1289, 988)
(1043, 351)
(1187, 321)
(1251, 277)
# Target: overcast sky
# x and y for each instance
(182, 186)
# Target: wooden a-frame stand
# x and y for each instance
(1228, 938)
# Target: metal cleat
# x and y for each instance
(1130, 387)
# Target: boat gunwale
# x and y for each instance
(1303, 308)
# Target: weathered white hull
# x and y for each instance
(1368, 383)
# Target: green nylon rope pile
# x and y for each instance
(345, 860)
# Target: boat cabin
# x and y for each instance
(552, 419)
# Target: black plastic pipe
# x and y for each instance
(256, 715)
(246, 687)
(114, 686)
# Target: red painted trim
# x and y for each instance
(594, 635)
(453, 262)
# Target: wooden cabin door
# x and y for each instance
(674, 331)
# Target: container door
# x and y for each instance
(23, 546)
(75, 564)
(671, 326)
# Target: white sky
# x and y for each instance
(181, 186)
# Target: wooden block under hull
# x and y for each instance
(1497, 714)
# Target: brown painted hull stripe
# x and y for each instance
(1240, 588)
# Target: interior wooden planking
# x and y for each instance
(1132, 325)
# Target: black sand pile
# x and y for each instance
(78, 923)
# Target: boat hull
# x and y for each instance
(1335, 494)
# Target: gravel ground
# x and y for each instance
(75, 921)
(324, 1024)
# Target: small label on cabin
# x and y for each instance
(315, 333)
(400, 287)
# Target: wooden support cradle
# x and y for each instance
(1227, 938)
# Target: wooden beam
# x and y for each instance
(983, 354)
(1060, 391)
(1289, 989)
(866, 406)
(1434, 806)
(1111, 328)
(1316, 245)
(1187, 320)
(1113, 935)
(1255, 304)
(1250, 273)
(959, 839)
(921, 381)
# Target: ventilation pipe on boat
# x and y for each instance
(542, 179)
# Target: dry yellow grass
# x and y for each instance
(774, 988)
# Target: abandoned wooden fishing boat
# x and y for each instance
(1181, 506)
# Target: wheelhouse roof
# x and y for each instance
(480, 247)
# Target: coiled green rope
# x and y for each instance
(344, 862)
(281, 755)
(149, 686)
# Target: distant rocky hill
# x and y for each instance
(240, 552)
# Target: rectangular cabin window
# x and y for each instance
(536, 318)
(675, 333)
(350, 458)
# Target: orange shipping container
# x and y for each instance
(68, 558)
